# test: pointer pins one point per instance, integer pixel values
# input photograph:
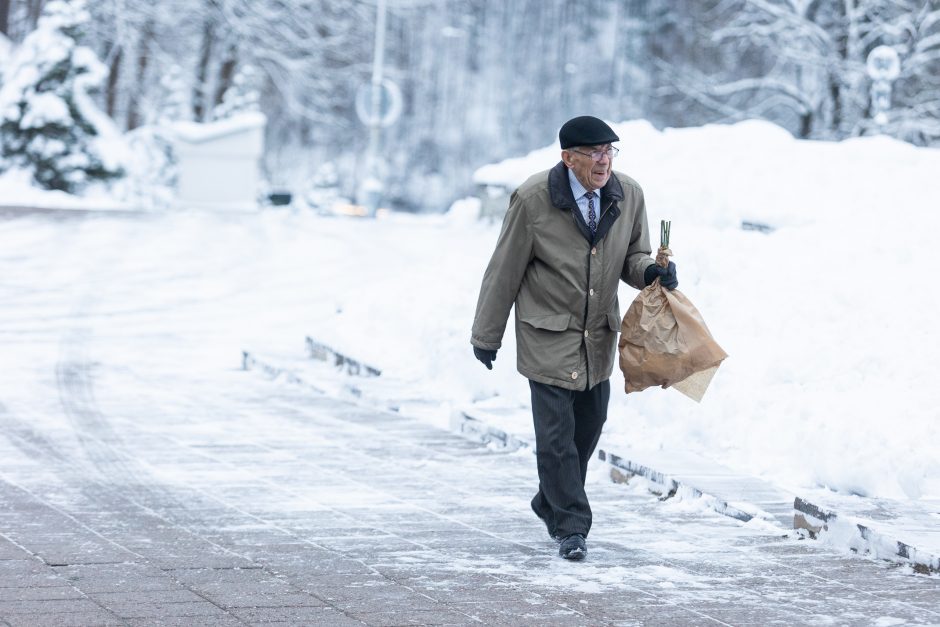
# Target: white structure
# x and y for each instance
(219, 162)
(884, 66)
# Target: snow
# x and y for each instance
(109, 143)
(464, 212)
(828, 320)
(21, 71)
(18, 190)
(194, 132)
(37, 92)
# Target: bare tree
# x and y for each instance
(802, 63)
(144, 44)
(111, 87)
(5, 17)
(201, 104)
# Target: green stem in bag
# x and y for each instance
(664, 227)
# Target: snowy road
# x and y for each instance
(146, 479)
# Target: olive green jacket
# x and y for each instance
(562, 280)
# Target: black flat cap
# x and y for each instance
(585, 130)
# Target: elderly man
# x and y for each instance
(570, 234)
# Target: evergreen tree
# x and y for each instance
(48, 122)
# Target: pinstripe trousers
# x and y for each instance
(568, 424)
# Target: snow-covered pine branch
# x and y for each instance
(50, 126)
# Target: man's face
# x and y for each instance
(591, 174)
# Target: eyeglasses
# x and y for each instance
(597, 155)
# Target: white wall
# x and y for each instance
(219, 163)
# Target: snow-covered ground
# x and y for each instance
(17, 190)
(828, 320)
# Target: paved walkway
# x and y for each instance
(334, 514)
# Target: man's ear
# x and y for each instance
(566, 158)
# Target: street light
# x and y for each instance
(884, 66)
(378, 104)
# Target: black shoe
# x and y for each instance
(573, 547)
(551, 533)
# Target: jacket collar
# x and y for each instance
(561, 196)
(559, 188)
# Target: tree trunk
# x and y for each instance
(200, 106)
(111, 94)
(5, 17)
(851, 80)
(133, 106)
(835, 95)
(35, 10)
(226, 74)
(806, 125)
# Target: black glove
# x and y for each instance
(667, 276)
(486, 356)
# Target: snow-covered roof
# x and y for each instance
(196, 133)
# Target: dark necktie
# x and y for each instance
(592, 215)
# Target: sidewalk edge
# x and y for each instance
(819, 522)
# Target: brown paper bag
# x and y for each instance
(664, 341)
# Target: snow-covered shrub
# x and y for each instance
(151, 169)
(241, 96)
(48, 123)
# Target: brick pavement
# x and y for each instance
(278, 506)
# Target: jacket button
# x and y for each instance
(592, 291)
(586, 333)
(574, 375)
(594, 250)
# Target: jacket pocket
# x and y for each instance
(553, 322)
(613, 321)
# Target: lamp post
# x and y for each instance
(378, 104)
(884, 66)
(373, 182)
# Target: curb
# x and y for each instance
(625, 467)
(253, 362)
(861, 537)
(776, 506)
(758, 499)
(622, 468)
(353, 367)
(250, 362)
(477, 429)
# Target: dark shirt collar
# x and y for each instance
(559, 188)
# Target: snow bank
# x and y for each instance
(18, 190)
(755, 171)
(829, 320)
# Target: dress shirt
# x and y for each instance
(577, 189)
